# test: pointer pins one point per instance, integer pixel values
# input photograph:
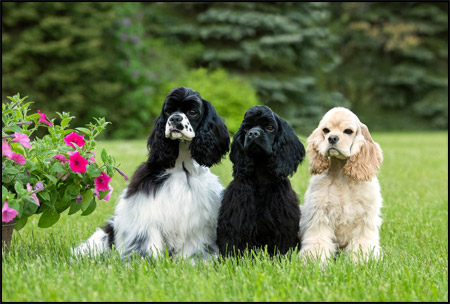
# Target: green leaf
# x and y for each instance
(51, 178)
(21, 223)
(11, 170)
(75, 207)
(14, 128)
(33, 116)
(29, 206)
(65, 122)
(90, 209)
(44, 195)
(48, 218)
(18, 187)
(58, 167)
(104, 156)
(61, 204)
(71, 192)
(14, 204)
(93, 171)
(102, 194)
(87, 198)
(85, 131)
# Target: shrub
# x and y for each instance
(50, 174)
(232, 96)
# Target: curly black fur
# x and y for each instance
(259, 207)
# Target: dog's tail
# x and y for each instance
(101, 241)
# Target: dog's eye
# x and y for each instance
(269, 128)
(326, 130)
(348, 131)
(192, 112)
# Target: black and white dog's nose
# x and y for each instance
(333, 139)
(253, 134)
(176, 118)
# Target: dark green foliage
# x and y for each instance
(278, 47)
(395, 61)
(61, 55)
(230, 95)
(388, 62)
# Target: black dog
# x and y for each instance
(259, 207)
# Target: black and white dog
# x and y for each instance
(173, 200)
(259, 207)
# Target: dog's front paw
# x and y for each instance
(314, 253)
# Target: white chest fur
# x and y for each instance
(181, 216)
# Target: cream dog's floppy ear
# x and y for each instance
(317, 162)
(364, 162)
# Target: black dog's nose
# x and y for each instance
(333, 139)
(176, 118)
(253, 134)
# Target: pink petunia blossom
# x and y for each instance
(78, 163)
(101, 182)
(61, 158)
(74, 138)
(108, 196)
(18, 158)
(33, 196)
(91, 159)
(8, 214)
(22, 139)
(6, 149)
(43, 119)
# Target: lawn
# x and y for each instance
(414, 238)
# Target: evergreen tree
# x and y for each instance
(60, 55)
(394, 58)
(280, 47)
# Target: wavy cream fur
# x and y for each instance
(343, 201)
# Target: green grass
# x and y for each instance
(414, 237)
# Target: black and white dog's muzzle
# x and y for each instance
(179, 127)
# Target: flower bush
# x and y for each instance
(48, 175)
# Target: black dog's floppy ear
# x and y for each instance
(163, 151)
(288, 151)
(212, 140)
(242, 164)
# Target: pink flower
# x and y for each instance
(33, 195)
(79, 197)
(107, 197)
(92, 158)
(77, 163)
(18, 158)
(74, 138)
(22, 139)
(8, 214)
(6, 149)
(43, 118)
(101, 182)
(61, 158)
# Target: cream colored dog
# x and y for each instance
(343, 201)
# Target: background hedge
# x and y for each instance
(387, 62)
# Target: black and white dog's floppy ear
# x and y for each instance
(288, 151)
(163, 151)
(212, 140)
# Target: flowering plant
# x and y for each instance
(50, 174)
